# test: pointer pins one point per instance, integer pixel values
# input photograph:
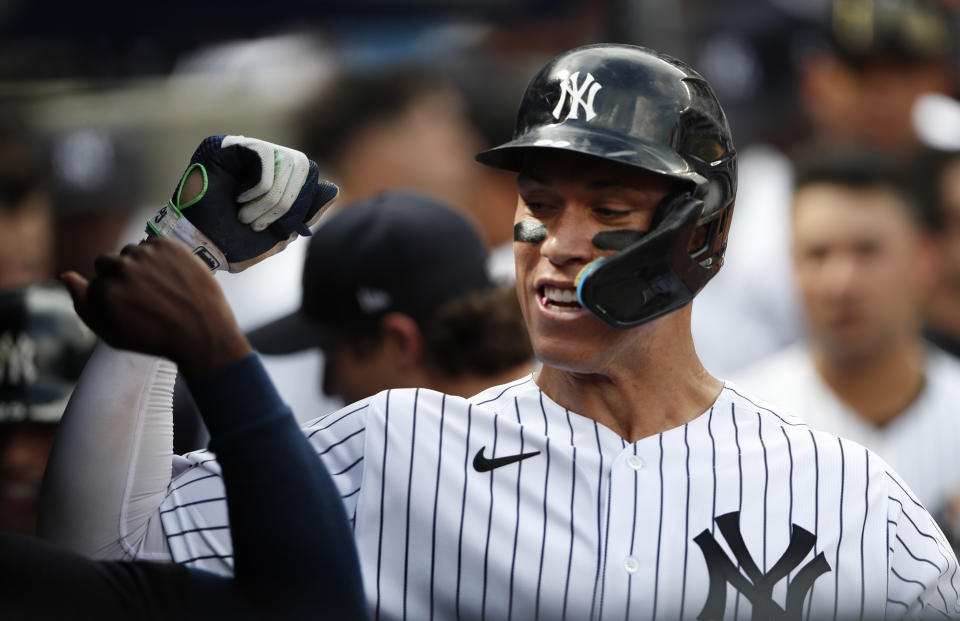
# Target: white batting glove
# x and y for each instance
(256, 198)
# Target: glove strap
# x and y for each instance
(169, 222)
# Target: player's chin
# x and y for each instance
(565, 352)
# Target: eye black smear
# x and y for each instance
(529, 231)
(616, 240)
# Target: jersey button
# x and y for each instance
(631, 564)
(635, 462)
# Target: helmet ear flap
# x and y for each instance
(653, 276)
(709, 239)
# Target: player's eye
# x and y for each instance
(868, 248)
(611, 213)
(814, 253)
(537, 206)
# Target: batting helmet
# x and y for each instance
(638, 107)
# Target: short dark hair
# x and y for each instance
(481, 334)
(859, 168)
(478, 334)
(929, 167)
(356, 100)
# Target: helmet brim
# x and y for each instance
(655, 158)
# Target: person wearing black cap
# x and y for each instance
(43, 347)
(409, 303)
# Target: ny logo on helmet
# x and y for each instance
(570, 87)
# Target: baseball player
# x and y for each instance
(619, 481)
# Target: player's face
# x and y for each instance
(565, 200)
(862, 269)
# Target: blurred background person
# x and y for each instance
(833, 74)
(864, 267)
(43, 345)
(27, 241)
(96, 187)
(940, 172)
(417, 127)
(400, 127)
(410, 305)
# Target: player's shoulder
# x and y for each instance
(829, 453)
(356, 411)
(748, 407)
(496, 397)
(746, 402)
(401, 403)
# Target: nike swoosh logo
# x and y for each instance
(482, 464)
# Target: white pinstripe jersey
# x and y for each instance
(920, 442)
(739, 508)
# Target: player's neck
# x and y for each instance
(658, 389)
(879, 387)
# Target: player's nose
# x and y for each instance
(840, 275)
(568, 239)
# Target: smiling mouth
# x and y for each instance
(559, 298)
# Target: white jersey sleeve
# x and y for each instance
(110, 464)
(193, 515)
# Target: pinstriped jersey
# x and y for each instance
(508, 506)
(920, 442)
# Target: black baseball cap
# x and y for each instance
(395, 252)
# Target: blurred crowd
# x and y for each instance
(841, 289)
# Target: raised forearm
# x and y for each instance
(110, 464)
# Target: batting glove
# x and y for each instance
(257, 197)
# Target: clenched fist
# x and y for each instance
(157, 298)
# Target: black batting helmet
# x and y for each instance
(636, 106)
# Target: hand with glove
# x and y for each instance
(252, 199)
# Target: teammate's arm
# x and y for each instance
(157, 298)
(293, 546)
(308, 557)
(110, 464)
(118, 424)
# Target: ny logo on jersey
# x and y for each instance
(756, 586)
(572, 89)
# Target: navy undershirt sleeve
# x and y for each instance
(294, 551)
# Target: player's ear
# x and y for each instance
(402, 335)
